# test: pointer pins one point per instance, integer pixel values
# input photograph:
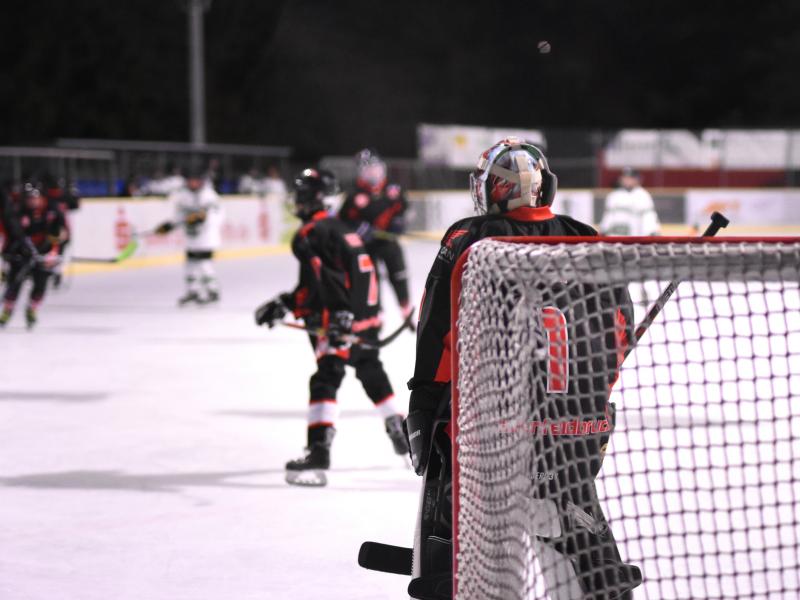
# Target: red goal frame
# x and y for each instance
(455, 294)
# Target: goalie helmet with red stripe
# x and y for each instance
(511, 174)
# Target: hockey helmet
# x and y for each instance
(196, 177)
(511, 174)
(31, 195)
(311, 186)
(629, 178)
(370, 171)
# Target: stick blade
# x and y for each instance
(127, 251)
(383, 557)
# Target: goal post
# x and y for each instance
(698, 494)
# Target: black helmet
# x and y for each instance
(310, 188)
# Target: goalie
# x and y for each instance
(337, 296)
(513, 189)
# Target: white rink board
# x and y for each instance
(440, 209)
(102, 227)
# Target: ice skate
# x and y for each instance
(5, 317)
(310, 470)
(190, 297)
(394, 429)
(30, 317)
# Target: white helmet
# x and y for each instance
(511, 174)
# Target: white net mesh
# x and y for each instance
(699, 493)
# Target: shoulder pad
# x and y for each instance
(306, 229)
(455, 240)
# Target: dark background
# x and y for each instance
(328, 77)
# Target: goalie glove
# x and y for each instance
(418, 428)
(165, 228)
(273, 311)
(424, 407)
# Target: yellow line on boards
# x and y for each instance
(144, 262)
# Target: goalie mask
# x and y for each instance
(511, 174)
(370, 171)
(311, 187)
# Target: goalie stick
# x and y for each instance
(718, 221)
(354, 339)
(383, 557)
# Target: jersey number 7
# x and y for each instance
(365, 265)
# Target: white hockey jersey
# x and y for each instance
(206, 234)
(630, 212)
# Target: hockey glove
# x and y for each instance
(340, 327)
(423, 408)
(365, 232)
(418, 428)
(196, 217)
(28, 250)
(273, 311)
(165, 228)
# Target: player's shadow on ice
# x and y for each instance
(63, 397)
(178, 482)
(291, 414)
(48, 329)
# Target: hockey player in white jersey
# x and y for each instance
(199, 212)
(629, 210)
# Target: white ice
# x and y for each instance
(142, 448)
(142, 451)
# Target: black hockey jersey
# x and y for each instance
(46, 228)
(336, 273)
(433, 335)
(383, 211)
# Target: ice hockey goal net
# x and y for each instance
(698, 493)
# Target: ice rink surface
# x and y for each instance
(143, 448)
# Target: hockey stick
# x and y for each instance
(383, 557)
(394, 237)
(354, 339)
(718, 221)
(124, 254)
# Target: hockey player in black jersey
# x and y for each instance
(338, 298)
(34, 232)
(513, 189)
(376, 209)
